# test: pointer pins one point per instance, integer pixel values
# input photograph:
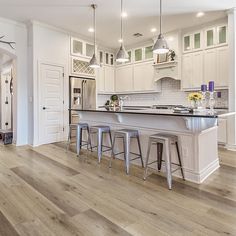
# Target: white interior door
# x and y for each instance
(51, 109)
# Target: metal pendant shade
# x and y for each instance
(160, 46)
(94, 62)
(122, 55)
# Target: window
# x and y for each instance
(138, 54)
(148, 52)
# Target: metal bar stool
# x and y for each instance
(164, 142)
(80, 127)
(100, 130)
(126, 135)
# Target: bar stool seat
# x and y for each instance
(164, 142)
(100, 130)
(126, 135)
(79, 127)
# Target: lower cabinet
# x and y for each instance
(204, 66)
(222, 131)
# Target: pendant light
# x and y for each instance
(93, 62)
(122, 55)
(160, 46)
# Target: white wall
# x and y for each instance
(49, 45)
(14, 31)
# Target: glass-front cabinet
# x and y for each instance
(187, 43)
(210, 37)
(222, 34)
(138, 54)
(76, 47)
(148, 53)
(197, 40)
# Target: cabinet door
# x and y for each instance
(210, 65)
(124, 79)
(187, 43)
(143, 77)
(222, 131)
(197, 73)
(100, 78)
(187, 65)
(222, 67)
(210, 37)
(109, 78)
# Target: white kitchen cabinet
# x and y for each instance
(222, 131)
(144, 77)
(210, 65)
(216, 66)
(109, 78)
(100, 79)
(187, 71)
(197, 70)
(192, 70)
(222, 67)
(124, 79)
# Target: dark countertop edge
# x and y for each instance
(153, 114)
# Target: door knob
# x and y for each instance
(44, 108)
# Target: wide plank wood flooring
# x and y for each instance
(47, 191)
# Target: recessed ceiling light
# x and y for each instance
(153, 30)
(120, 40)
(124, 14)
(91, 30)
(200, 14)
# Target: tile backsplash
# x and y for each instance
(170, 94)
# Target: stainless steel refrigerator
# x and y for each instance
(82, 93)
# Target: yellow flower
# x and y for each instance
(195, 97)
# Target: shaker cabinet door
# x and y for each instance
(210, 65)
(222, 67)
(124, 79)
(109, 73)
(100, 79)
(144, 77)
(187, 71)
(197, 72)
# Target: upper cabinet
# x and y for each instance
(216, 36)
(124, 79)
(206, 38)
(192, 42)
(80, 48)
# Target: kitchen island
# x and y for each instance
(197, 133)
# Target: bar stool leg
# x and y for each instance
(159, 155)
(112, 151)
(147, 158)
(127, 151)
(140, 151)
(180, 163)
(168, 164)
(68, 140)
(110, 137)
(78, 140)
(99, 146)
(89, 139)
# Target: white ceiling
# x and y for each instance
(76, 15)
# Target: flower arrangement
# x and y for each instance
(195, 97)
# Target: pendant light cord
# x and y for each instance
(160, 16)
(121, 22)
(94, 25)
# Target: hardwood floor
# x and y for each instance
(46, 191)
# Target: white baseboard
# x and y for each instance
(230, 147)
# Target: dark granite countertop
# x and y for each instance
(168, 112)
